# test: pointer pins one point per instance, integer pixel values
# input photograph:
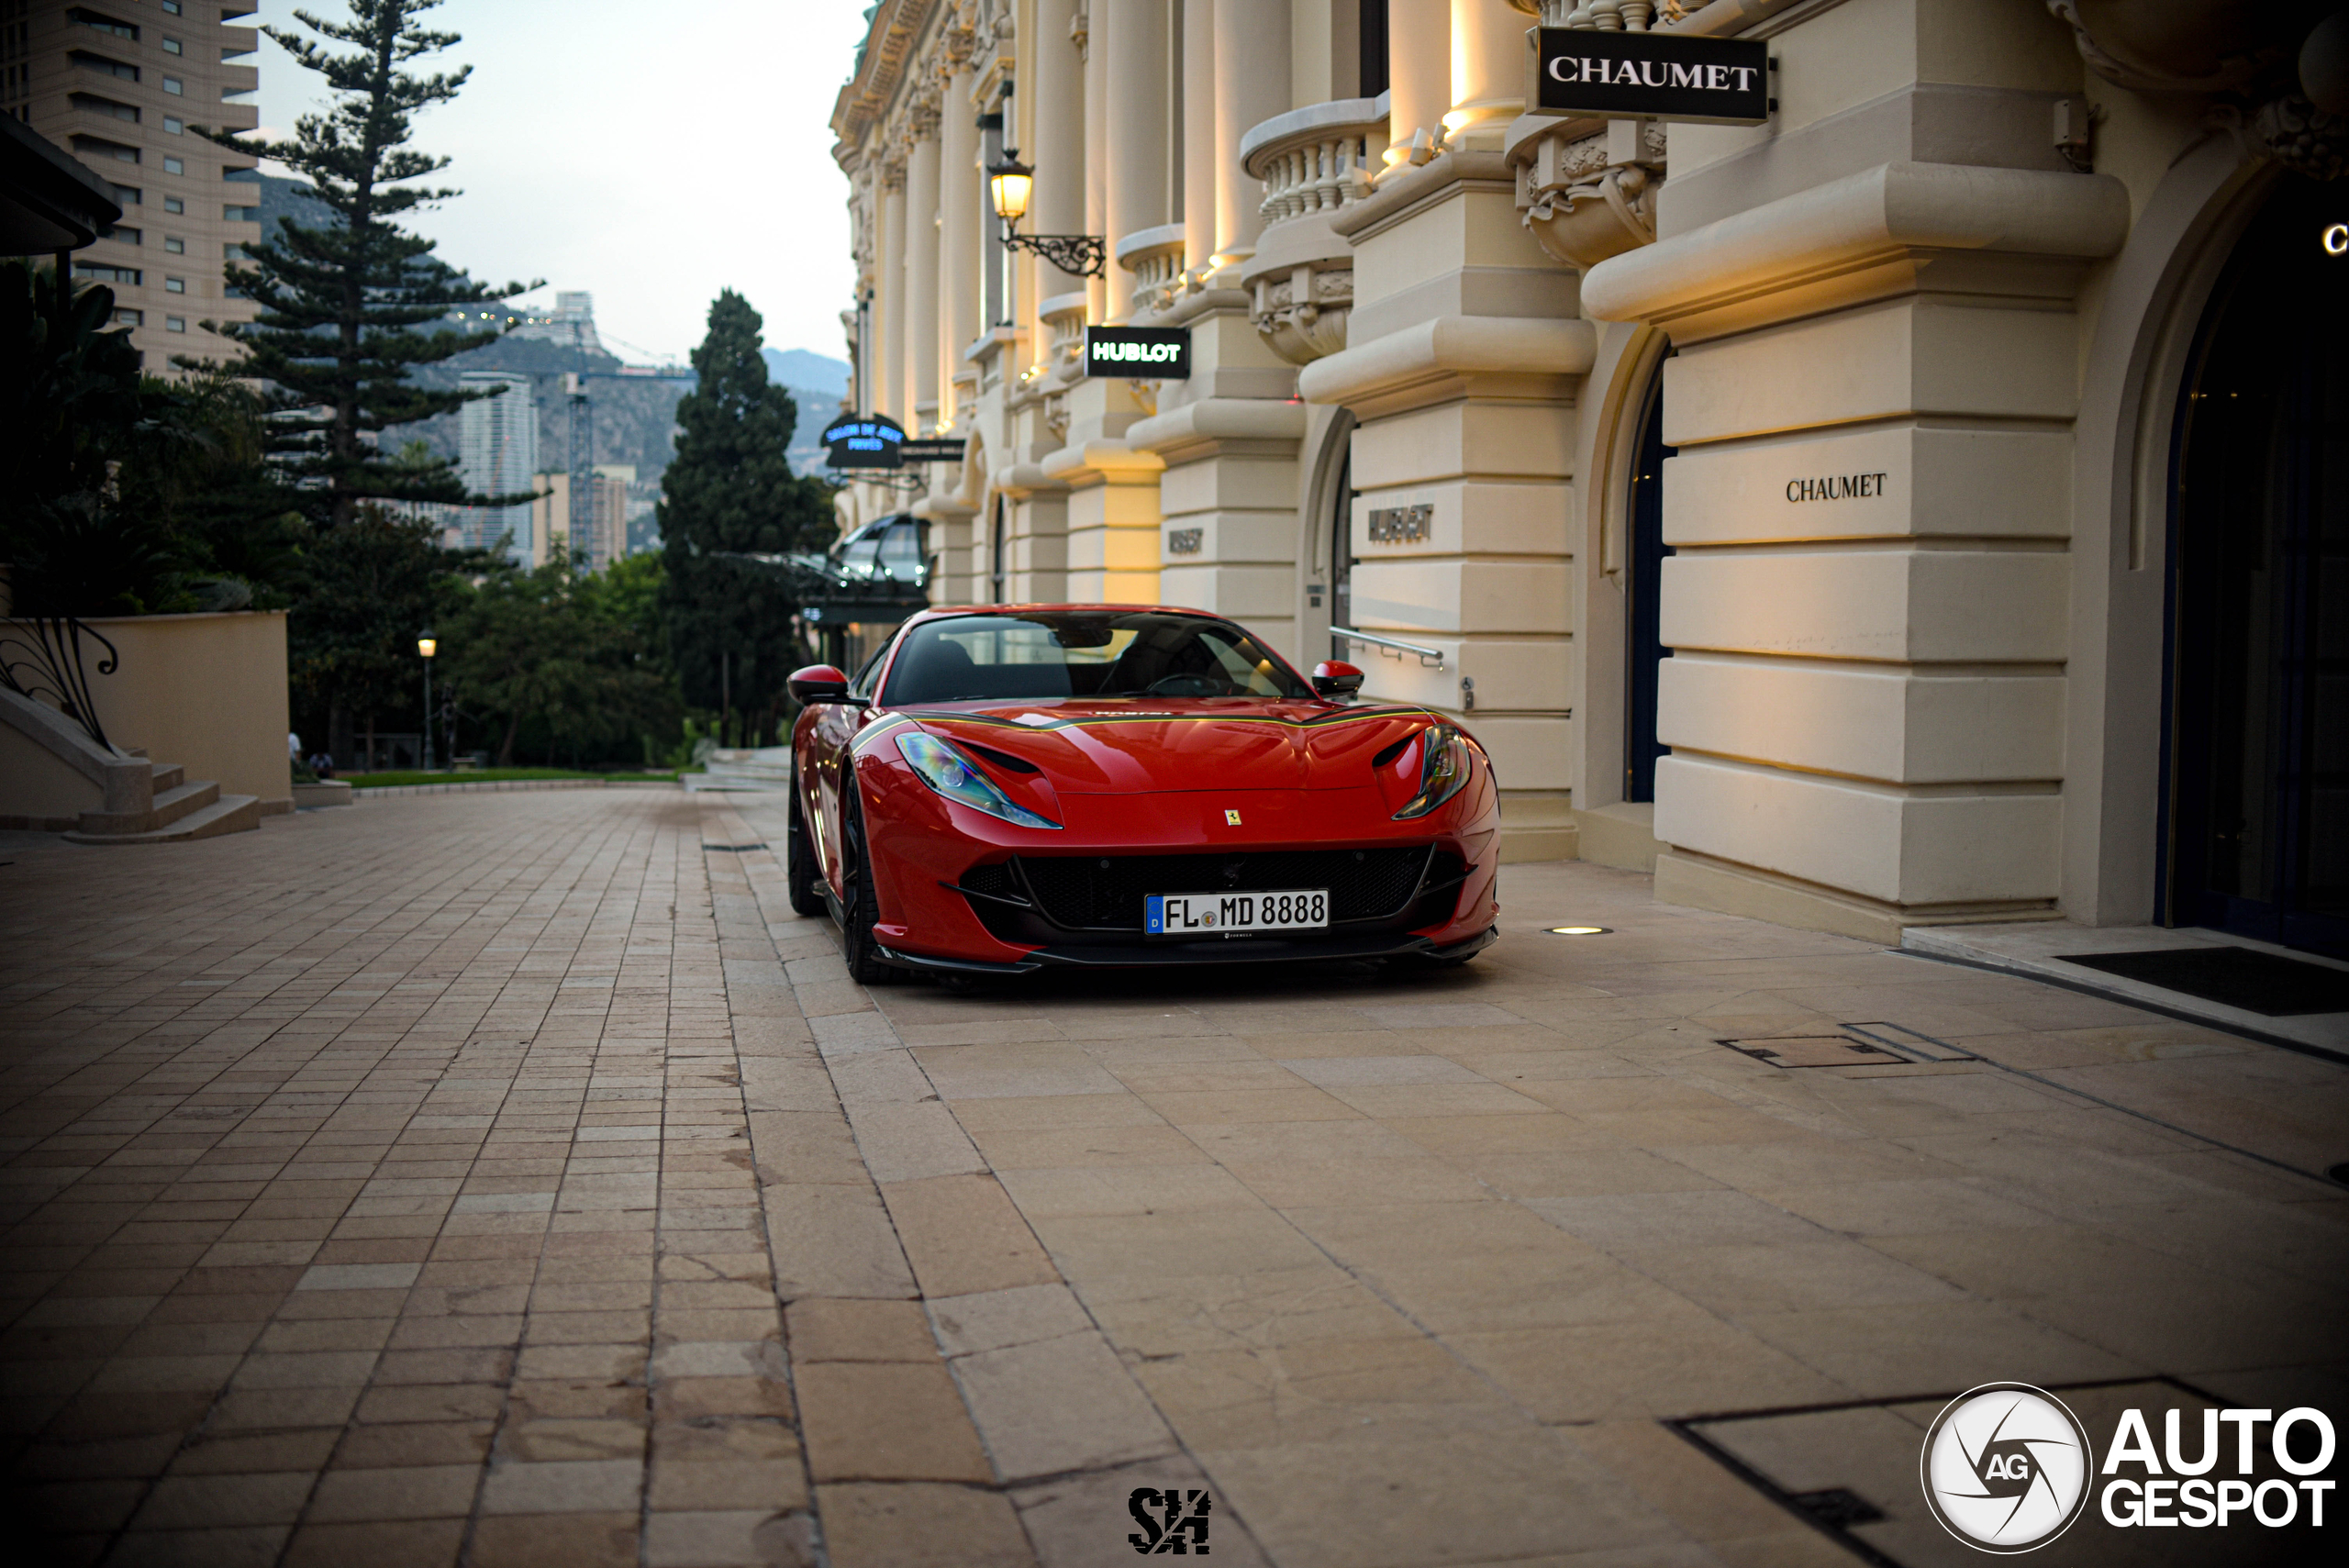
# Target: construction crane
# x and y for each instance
(583, 440)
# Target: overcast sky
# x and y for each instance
(650, 154)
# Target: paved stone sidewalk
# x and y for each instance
(512, 1179)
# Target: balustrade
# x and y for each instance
(1314, 162)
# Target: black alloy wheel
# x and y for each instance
(864, 907)
(807, 888)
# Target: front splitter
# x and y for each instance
(1192, 955)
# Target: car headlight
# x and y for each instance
(945, 769)
(1443, 771)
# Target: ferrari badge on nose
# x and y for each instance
(1231, 819)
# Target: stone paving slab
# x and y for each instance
(511, 1179)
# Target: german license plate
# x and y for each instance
(1221, 914)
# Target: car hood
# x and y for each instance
(1123, 747)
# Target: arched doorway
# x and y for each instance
(1342, 550)
(1643, 650)
(2258, 745)
(996, 579)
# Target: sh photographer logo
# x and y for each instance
(2006, 1467)
(1173, 1523)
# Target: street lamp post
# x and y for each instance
(426, 646)
(1010, 186)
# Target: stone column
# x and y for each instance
(889, 309)
(921, 273)
(961, 200)
(1487, 71)
(1057, 149)
(1418, 71)
(1136, 57)
(1201, 165)
(1252, 84)
(1092, 39)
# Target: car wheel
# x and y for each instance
(865, 965)
(799, 863)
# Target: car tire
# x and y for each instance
(863, 908)
(806, 888)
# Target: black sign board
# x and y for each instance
(941, 451)
(1147, 353)
(864, 441)
(1658, 76)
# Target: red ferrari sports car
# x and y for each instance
(1006, 788)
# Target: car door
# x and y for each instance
(835, 729)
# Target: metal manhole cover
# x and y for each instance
(1815, 1050)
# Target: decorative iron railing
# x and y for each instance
(41, 658)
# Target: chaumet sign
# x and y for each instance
(1659, 76)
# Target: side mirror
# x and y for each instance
(1332, 679)
(817, 683)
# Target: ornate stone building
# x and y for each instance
(1890, 515)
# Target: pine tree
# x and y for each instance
(730, 488)
(340, 304)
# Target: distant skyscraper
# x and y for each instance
(499, 453)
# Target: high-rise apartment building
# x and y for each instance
(123, 85)
(498, 455)
(610, 506)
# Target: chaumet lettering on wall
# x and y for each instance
(1835, 487)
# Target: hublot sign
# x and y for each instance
(1835, 487)
(1145, 353)
(1401, 525)
(1660, 76)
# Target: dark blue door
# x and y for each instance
(2259, 675)
(1645, 650)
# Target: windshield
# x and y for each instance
(1108, 654)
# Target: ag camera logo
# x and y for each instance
(2006, 1467)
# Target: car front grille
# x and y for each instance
(1105, 892)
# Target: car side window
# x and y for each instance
(870, 674)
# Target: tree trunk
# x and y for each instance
(506, 747)
(368, 765)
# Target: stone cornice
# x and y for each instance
(888, 46)
(1213, 424)
(1453, 356)
(1400, 195)
(1087, 464)
(1870, 235)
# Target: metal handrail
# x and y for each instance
(40, 656)
(1394, 647)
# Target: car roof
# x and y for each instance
(943, 610)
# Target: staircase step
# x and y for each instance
(228, 814)
(169, 775)
(170, 805)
